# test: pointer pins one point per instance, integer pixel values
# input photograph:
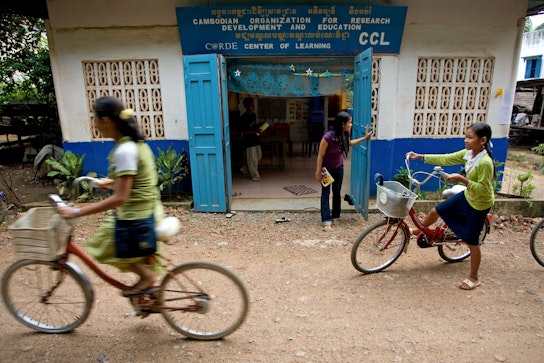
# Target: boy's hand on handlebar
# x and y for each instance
(413, 155)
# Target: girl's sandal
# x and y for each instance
(467, 284)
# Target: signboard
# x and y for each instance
(290, 30)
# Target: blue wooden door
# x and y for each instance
(209, 137)
(362, 116)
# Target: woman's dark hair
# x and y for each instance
(112, 107)
(339, 135)
(483, 130)
(248, 101)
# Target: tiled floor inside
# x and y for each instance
(299, 172)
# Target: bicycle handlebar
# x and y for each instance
(81, 178)
(438, 172)
(59, 202)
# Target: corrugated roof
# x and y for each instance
(535, 7)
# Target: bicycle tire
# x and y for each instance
(458, 251)
(536, 242)
(3, 208)
(218, 295)
(367, 255)
(28, 293)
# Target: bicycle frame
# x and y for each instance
(74, 249)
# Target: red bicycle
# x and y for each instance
(381, 244)
(47, 292)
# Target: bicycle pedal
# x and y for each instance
(422, 241)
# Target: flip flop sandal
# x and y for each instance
(467, 284)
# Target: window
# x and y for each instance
(451, 94)
(136, 83)
(532, 67)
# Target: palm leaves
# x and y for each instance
(65, 171)
(171, 168)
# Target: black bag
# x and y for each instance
(135, 238)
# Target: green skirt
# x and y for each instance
(101, 246)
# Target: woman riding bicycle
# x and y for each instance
(465, 212)
(133, 177)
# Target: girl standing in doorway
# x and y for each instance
(333, 148)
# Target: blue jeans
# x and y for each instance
(326, 215)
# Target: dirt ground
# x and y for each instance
(308, 303)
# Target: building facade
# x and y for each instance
(453, 67)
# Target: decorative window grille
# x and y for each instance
(376, 70)
(136, 83)
(451, 94)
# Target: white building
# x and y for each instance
(531, 52)
(454, 66)
(530, 81)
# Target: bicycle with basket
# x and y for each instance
(46, 291)
(381, 244)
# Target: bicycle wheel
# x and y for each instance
(46, 298)
(458, 251)
(205, 301)
(3, 208)
(536, 242)
(378, 246)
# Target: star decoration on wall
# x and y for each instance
(292, 68)
(309, 72)
(237, 73)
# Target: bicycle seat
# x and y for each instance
(450, 192)
(167, 228)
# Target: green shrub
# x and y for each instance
(65, 171)
(402, 177)
(497, 182)
(524, 188)
(172, 168)
(538, 149)
(520, 158)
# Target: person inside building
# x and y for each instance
(250, 138)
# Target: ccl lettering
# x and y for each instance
(375, 38)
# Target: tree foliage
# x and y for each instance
(528, 25)
(24, 59)
(25, 73)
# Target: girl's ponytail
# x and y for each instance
(114, 109)
(484, 130)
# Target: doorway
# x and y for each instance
(209, 115)
(297, 97)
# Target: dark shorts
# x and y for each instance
(465, 221)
